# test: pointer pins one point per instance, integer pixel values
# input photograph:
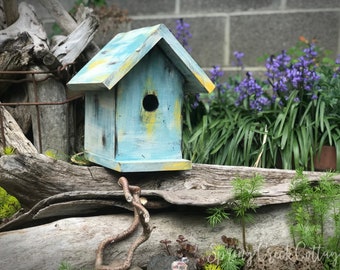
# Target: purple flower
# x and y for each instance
(250, 91)
(284, 76)
(276, 73)
(195, 104)
(215, 74)
(277, 66)
(337, 70)
(302, 75)
(238, 56)
(183, 33)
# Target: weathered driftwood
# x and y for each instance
(68, 24)
(19, 42)
(11, 11)
(49, 122)
(68, 49)
(12, 136)
(75, 240)
(27, 24)
(204, 185)
(62, 17)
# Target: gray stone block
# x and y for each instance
(145, 7)
(208, 37)
(304, 4)
(271, 33)
(204, 6)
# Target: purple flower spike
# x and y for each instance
(183, 33)
(239, 56)
(249, 90)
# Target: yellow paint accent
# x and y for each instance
(178, 115)
(149, 119)
(126, 66)
(177, 166)
(96, 63)
(149, 85)
(208, 84)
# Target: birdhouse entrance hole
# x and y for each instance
(150, 103)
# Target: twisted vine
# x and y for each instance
(141, 215)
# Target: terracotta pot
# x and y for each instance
(326, 160)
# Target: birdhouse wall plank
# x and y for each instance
(149, 121)
(100, 124)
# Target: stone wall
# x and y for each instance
(220, 27)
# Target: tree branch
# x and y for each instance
(141, 215)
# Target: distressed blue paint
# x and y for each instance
(142, 134)
(125, 50)
(100, 123)
(137, 126)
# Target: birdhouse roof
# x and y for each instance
(125, 50)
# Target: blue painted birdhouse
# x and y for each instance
(134, 90)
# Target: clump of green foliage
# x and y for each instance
(8, 150)
(51, 153)
(9, 205)
(245, 191)
(294, 105)
(55, 155)
(224, 258)
(65, 266)
(313, 207)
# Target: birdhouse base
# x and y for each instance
(140, 165)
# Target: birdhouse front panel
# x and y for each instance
(149, 122)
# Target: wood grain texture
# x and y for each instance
(34, 177)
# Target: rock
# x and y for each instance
(135, 268)
(167, 262)
(66, 239)
(284, 258)
(161, 261)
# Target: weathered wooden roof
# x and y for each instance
(125, 50)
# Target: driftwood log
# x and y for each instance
(19, 42)
(75, 240)
(11, 135)
(50, 188)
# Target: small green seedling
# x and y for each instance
(245, 191)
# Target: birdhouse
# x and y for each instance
(134, 90)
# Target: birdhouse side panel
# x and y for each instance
(99, 125)
(149, 122)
